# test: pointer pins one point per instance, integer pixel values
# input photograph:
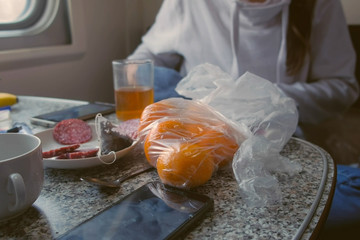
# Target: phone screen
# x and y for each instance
(83, 112)
(153, 211)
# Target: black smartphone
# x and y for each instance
(153, 211)
(83, 112)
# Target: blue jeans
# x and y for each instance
(343, 221)
(165, 81)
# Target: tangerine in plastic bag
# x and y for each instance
(175, 130)
(154, 112)
(168, 124)
(164, 134)
(221, 146)
(185, 165)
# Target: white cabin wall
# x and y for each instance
(352, 11)
(113, 30)
(140, 21)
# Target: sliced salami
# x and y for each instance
(58, 151)
(79, 154)
(72, 131)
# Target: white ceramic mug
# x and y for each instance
(21, 173)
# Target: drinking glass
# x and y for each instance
(133, 86)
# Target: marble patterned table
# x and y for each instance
(65, 201)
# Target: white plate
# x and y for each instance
(49, 143)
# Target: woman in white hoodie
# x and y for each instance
(303, 46)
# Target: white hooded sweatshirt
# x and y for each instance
(239, 36)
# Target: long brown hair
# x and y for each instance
(298, 34)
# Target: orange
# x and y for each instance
(160, 137)
(221, 146)
(167, 132)
(175, 121)
(154, 112)
(175, 130)
(172, 107)
(185, 165)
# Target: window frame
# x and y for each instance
(25, 57)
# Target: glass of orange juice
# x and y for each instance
(133, 86)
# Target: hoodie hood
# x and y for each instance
(248, 15)
(260, 13)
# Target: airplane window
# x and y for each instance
(30, 23)
(34, 32)
(20, 14)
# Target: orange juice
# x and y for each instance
(131, 101)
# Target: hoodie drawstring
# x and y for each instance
(234, 33)
(281, 60)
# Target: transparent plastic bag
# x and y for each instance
(187, 141)
(271, 117)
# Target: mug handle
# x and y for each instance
(16, 187)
